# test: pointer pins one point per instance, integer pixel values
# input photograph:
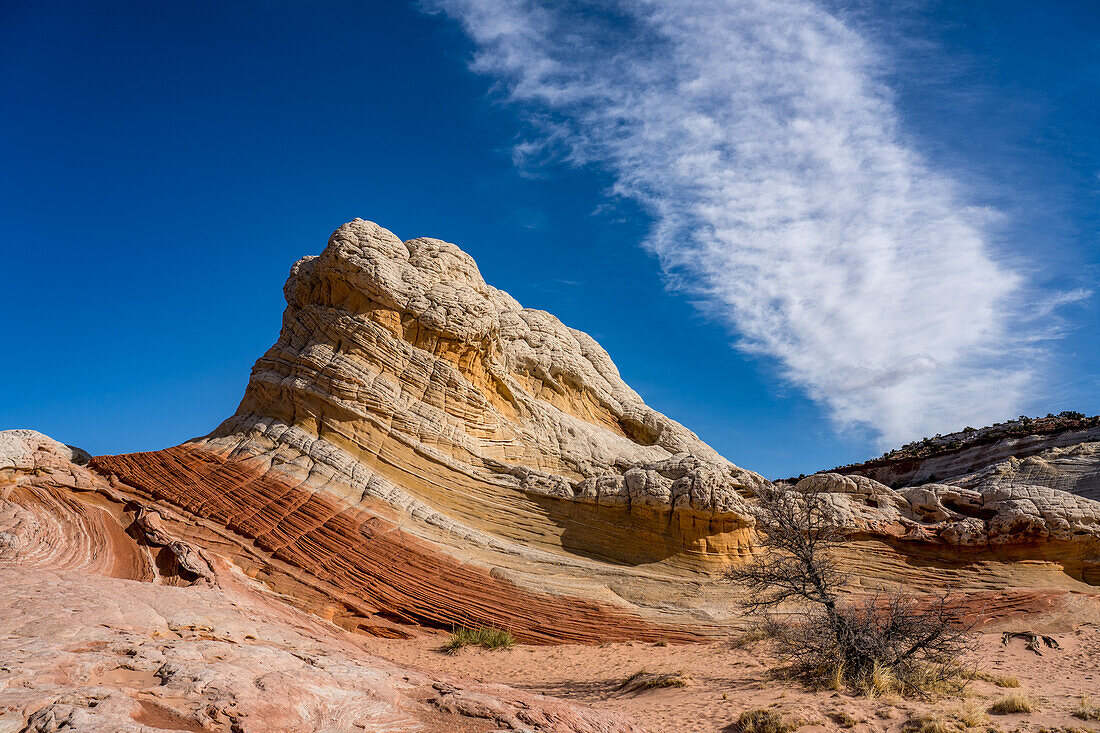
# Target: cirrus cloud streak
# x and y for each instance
(784, 196)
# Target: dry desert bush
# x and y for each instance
(891, 642)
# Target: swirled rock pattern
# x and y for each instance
(360, 554)
(400, 372)
(405, 392)
(419, 450)
(111, 622)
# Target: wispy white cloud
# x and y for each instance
(784, 196)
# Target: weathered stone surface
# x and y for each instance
(982, 510)
(404, 388)
(357, 552)
(100, 632)
(401, 372)
(417, 449)
(984, 448)
(1074, 469)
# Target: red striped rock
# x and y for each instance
(102, 632)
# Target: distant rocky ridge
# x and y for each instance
(947, 456)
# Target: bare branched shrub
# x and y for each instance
(890, 642)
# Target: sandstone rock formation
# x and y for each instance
(399, 372)
(972, 449)
(418, 450)
(409, 410)
(110, 623)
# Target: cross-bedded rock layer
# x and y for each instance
(357, 556)
(400, 372)
(111, 622)
(417, 447)
(400, 375)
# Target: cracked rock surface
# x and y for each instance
(100, 631)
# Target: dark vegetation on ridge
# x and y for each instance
(970, 437)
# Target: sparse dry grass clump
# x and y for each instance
(999, 680)
(882, 681)
(483, 636)
(972, 716)
(641, 680)
(1016, 702)
(843, 718)
(1085, 710)
(879, 682)
(748, 638)
(763, 720)
(965, 718)
(930, 724)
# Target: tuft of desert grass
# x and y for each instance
(843, 718)
(935, 680)
(930, 724)
(834, 677)
(748, 638)
(1016, 702)
(483, 636)
(763, 720)
(880, 682)
(928, 681)
(1085, 710)
(999, 680)
(642, 680)
(972, 716)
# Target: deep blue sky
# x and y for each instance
(163, 165)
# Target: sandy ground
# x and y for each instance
(726, 681)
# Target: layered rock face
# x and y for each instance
(418, 447)
(402, 373)
(419, 450)
(1068, 447)
(409, 410)
(111, 622)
